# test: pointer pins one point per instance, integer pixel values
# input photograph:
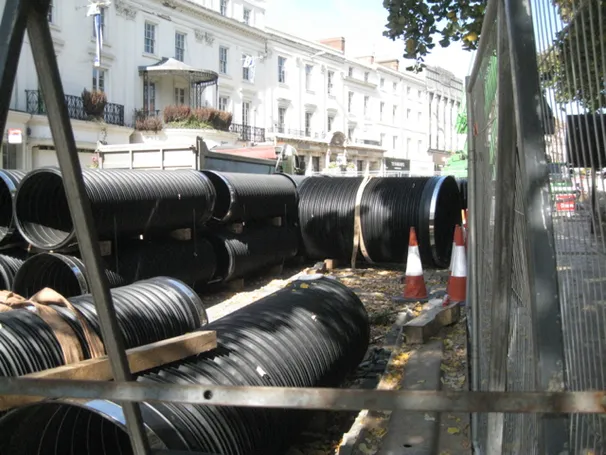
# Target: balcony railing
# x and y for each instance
(281, 129)
(248, 133)
(113, 113)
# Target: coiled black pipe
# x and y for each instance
(124, 202)
(326, 216)
(147, 311)
(246, 197)
(10, 263)
(244, 254)
(191, 261)
(9, 180)
(463, 190)
(391, 206)
(310, 334)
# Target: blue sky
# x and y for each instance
(361, 22)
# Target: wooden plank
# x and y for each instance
(181, 234)
(141, 358)
(429, 323)
(331, 264)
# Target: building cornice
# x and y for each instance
(289, 40)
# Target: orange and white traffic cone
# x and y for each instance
(457, 282)
(414, 284)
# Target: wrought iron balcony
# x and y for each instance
(281, 129)
(113, 113)
(248, 133)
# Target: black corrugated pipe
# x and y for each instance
(247, 197)
(9, 180)
(326, 216)
(391, 206)
(147, 311)
(463, 190)
(10, 263)
(296, 179)
(190, 261)
(239, 255)
(310, 334)
(124, 202)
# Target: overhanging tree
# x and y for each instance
(573, 66)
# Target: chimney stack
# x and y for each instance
(336, 43)
(394, 64)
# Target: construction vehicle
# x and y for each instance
(196, 156)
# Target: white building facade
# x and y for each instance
(219, 53)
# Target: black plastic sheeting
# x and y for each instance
(389, 207)
(326, 216)
(191, 261)
(252, 251)
(313, 333)
(124, 203)
(9, 180)
(10, 263)
(147, 311)
(246, 197)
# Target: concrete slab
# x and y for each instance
(415, 433)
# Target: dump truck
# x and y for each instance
(196, 156)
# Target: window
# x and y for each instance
(282, 70)
(245, 69)
(419, 117)
(408, 112)
(395, 142)
(246, 16)
(281, 119)
(350, 71)
(366, 76)
(246, 113)
(180, 46)
(329, 122)
(382, 82)
(99, 77)
(408, 91)
(408, 146)
(331, 78)
(150, 38)
(420, 146)
(102, 20)
(420, 94)
(308, 118)
(223, 7)
(394, 113)
(349, 101)
(350, 133)
(381, 110)
(395, 86)
(223, 103)
(315, 163)
(308, 76)
(149, 95)
(51, 11)
(9, 156)
(382, 139)
(366, 100)
(222, 60)
(179, 96)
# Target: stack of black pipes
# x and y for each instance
(388, 208)
(254, 222)
(312, 333)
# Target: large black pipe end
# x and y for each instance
(41, 211)
(63, 273)
(225, 196)
(9, 181)
(10, 263)
(440, 213)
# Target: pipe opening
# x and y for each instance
(223, 195)
(62, 429)
(222, 255)
(53, 271)
(6, 209)
(42, 211)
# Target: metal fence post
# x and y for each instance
(539, 241)
(503, 235)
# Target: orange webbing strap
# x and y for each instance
(67, 338)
